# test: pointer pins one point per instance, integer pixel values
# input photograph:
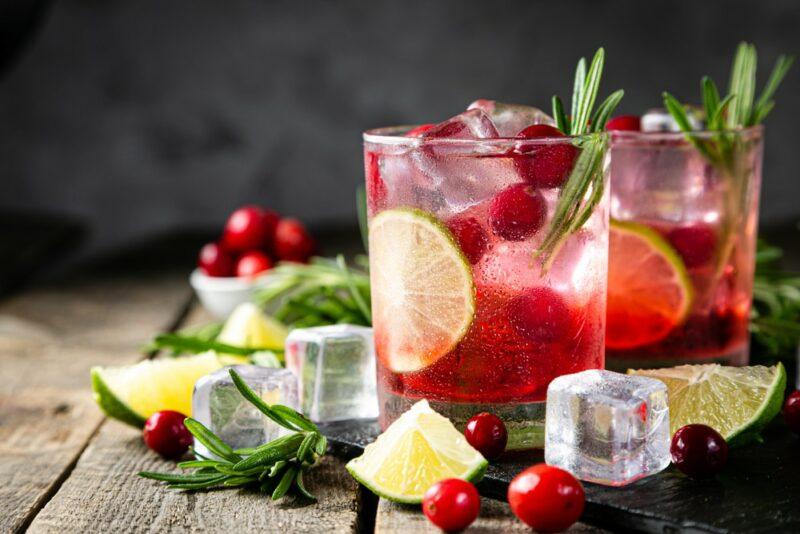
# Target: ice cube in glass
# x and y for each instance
(335, 369)
(218, 405)
(511, 119)
(607, 427)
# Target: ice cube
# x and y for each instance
(511, 119)
(218, 405)
(471, 124)
(335, 369)
(660, 120)
(607, 427)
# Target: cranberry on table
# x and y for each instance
(165, 433)
(252, 263)
(471, 237)
(626, 123)
(517, 212)
(544, 165)
(249, 227)
(451, 504)
(546, 498)
(292, 241)
(540, 314)
(699, 451)
(487, 433)
(791, 412)
(695, 244)
(215, 261)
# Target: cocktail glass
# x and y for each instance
(488, 263)
(684, 210)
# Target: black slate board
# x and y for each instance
(759, 491)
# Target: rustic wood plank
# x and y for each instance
(495, 517)
(49, 338)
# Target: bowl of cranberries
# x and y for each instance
(230, 270)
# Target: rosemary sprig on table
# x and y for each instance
(276, 467)
(775, 316)
(585, 185)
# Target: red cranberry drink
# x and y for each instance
(488, 237)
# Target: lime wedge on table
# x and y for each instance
(649, 290)
(250, 327)
(132, 393)
(419, 449)
(737, 402)
(422, 291)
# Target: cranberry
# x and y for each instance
(215, 261)
(517, 212)
(293, 242)
(540, 314)
(471, 237)
(487, 433)
(376, 188)
(628, 123)
(165, 433)
(695, 244)
(546, 498)
(545, 165)
(451, 504)
(252, 263)
(699, 451)
(791, 412)
(248, 228)
(419, 130)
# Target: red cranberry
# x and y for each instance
(699, 451)
(215, 261)
(471, 237)
(540, 314)
(487, 433)
(695, 244)
(419, 130)
(252, 263)
(628, 123)
(517, 212)
(376, 188)
(248, 228)
(791, 412)
(546, 498)
(451, 504)
(545, 165)
(165, 433)
(293, 242)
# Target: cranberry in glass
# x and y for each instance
(695, 244)
(252, 263)
(215, 261)
(625, 123)
(451, 504)
(165, 433)
(376, 188)
(487, 433)
(540, 314)
(470, 236)
(791, 412)
(544, 165)
(248, 228)
(517, 212)
(293, 242)
(546, 498)
(419, 130)
(699, 451)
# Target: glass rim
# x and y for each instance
(628, 135)
(393, 135)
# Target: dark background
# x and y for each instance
(142, 117)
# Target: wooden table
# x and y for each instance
(65, 468)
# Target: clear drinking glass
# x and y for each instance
(684, 211)
(488, 263)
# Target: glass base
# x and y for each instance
(524, 421)
(737, 357)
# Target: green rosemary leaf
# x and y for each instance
(300, 485)
(362, 305)
(258, 402)
(229, 470)
(580, 120)
(765, 104)
(276, 468)
(578, 87)
(193, 345)
(308, 442)
(605, 110)
(285, 483)
(762, 112)
(200, 464)
(322, 445)
(239, 481)
(296, 418)
(178, 478)
(710, 97)
(282, 448)
(562, 121)
(717, 120)
(194, 486)
(742, 84)
(210, 440)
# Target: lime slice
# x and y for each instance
(250, 327)
(133, 393)
(649, 290)
(737, 402)
(416, 451)
(422, 292)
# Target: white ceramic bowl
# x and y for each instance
(220, 296)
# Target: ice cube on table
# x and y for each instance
(335, 370)
(607, 427)
(660, 120)
(511, 119)
(218, 405)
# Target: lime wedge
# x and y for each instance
(737, 402)
(422, 291)
(133, 393)
(250, 327)
(649, 290)
(416, 451)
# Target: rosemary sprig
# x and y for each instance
(585, 186)
(275, 468)
(182, 344)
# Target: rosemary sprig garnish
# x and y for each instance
(584, 187)
(275, 468)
